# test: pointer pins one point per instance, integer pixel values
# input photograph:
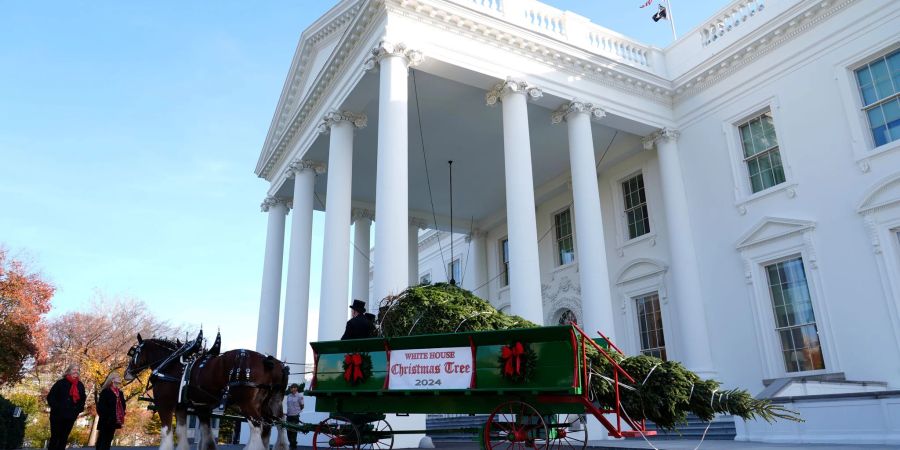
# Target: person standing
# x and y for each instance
(294, 401)
(66, 400)
(110, 411)
(358, 327)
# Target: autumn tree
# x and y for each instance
(24, 299)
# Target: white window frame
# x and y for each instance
(500, 263)
(773, 240)
(623, 241)
(457, 260)
(638, 278)
(625, 235)
(556, 262)
(425, 274)
(640, 350)
(862, 142)
(743, 190)
(880, 211)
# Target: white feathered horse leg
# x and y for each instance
(255, 441)
(181, 429)
(166, 439)
(207, 442)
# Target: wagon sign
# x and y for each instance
(431, 368)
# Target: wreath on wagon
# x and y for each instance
(517, 362)
(357, 368)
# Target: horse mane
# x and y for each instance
(165, 342)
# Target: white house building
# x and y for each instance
(731, 201)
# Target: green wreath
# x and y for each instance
(517, 362)
(357, 368)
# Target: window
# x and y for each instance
(795, 321)
(879, 90)
(425, 278)
(504, 261)
(636, 206)
(453, 270)
(761, 152)
(650, 322)
(565, 243)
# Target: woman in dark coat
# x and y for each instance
(66, 400)
(110, 411)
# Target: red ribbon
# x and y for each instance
(513, 356)
(353, 372)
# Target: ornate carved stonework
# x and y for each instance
(510, 86)
(562, 292)
(663, 133)
(300, 165)
(577, 106)
(361, 213)
(270, 202)
(418, 223)
(385, 49)
(333, 117)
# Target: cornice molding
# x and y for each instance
(511, 86)
(715, 69)
(331, 118)
(386, 49)
(577, 106)
(271, 202)
(668, 134)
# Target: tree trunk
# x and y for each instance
(92, 438)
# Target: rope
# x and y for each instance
(648, 374)
(427, 176)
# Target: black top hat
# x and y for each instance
(358, 306)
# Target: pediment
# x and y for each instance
(640, 268)
(770, 228)
(885, 193)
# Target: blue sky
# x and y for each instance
(129, 132)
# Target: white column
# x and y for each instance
(476, 271)
(334, 299)
(415, 224)
(270, 295)
(688, 299)
(590, 245)
(525, 273)
(362, 220)
(296, 297)
(392, 172)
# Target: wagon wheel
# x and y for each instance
(336, 433)
(376, 435)
(568, 432)
(515, 425)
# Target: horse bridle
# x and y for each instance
(134, 353)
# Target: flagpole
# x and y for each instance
(671, 18)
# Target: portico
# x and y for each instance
(404, 105)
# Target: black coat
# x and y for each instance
(61, 404)
(357, 328)
(106, 409)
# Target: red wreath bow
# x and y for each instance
(512, 354)
(353, 372)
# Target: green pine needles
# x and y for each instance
(664, 391)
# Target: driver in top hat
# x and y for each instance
(358, 327)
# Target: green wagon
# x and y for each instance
(531, 381)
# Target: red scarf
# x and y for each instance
(73, 389)
(120, 411)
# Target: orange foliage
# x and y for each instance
(24, 299)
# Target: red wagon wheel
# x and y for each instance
(376, 436)
(336, 433)
(515, 425)
(568, 432)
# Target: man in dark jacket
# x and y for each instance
(66, 400)
(358, 327)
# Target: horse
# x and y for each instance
(256, 383)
